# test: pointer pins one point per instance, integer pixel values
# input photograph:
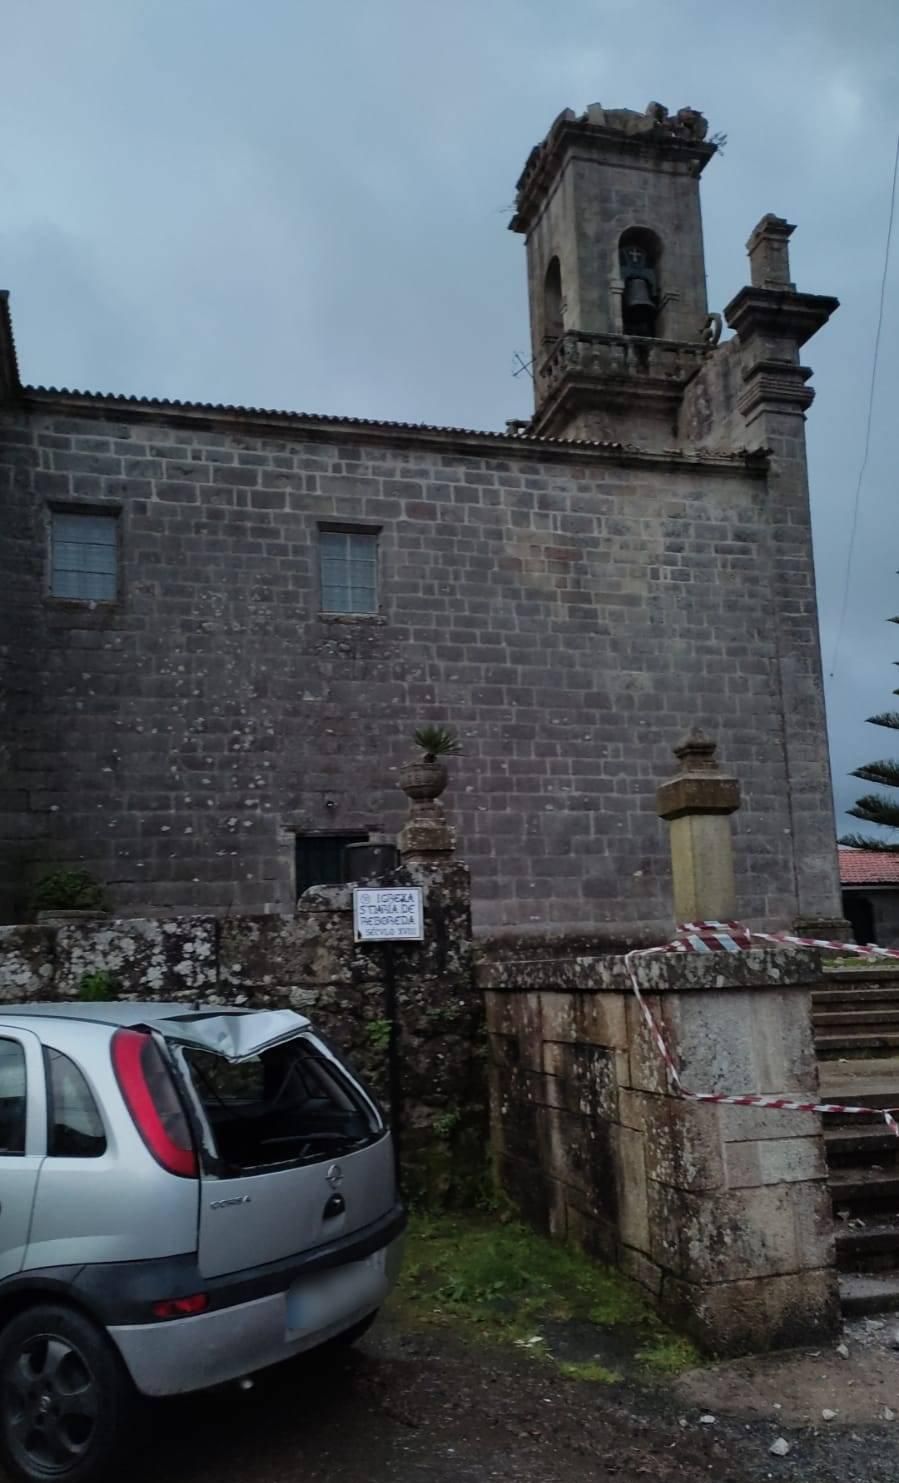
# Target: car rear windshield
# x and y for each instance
(288, 1105)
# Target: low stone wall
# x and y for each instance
(310, 962)
(721, 1213)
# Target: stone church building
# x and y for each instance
(220, 626)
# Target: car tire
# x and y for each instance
(66, 1401)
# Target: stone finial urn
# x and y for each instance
(426, 834)
(425, 779)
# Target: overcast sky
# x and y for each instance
(304, 205)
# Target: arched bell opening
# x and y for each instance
(639, 254)
(553, 316)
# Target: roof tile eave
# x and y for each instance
(313, 418)
(750, 458)
(868, 867)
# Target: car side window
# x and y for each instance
(12, 1097)
(74, 1126)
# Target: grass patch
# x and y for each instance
(590, 1370)
(859, 964)
(504, 1283)
(668, 1354)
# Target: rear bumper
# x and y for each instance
(228, 1342)
(122, 1294)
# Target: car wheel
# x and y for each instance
(65, 1399)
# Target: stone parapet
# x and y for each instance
(721, 1213)
(582, 372)
(375, 1000)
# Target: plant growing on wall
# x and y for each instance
(881, 809)
(378, 1032)
(437, 741)
(426, 779)
(68, 890)
(97, 987)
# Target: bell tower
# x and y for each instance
(609, 208)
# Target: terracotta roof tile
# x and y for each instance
(868, 867)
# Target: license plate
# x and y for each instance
(317, 1302)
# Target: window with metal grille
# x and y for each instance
(320, 859)
(84, 556)
(349, 571)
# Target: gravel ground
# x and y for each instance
(423, 1406)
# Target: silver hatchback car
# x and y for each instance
(185, 1197)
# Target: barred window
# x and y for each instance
(84, 557)
(321, 859)
(349, 571)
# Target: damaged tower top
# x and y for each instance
(609, 206)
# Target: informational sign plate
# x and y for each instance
(393, 914)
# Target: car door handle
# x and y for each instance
(334, 1207)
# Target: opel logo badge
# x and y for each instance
(334, 1176)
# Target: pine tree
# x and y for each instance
(878, 808)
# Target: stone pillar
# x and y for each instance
(769, 253)
(697, 803)
(738, 1227)
(439, 1010)
(722, 1214)
(616, 301)
(772, 322)
(427, 837)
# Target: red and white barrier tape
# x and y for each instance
(734, 937)
(718, 935)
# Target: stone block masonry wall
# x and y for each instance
(721, 1213)
(308, 961)
(571, 612)
(22, 827)
(886, 917)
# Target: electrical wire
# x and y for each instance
(864, 463)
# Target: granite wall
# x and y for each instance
(572, 610)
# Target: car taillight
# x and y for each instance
(151, 1099)
(181, 1307)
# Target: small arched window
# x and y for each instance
(553, 319)
(639, 251)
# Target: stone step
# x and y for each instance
(871, 1248)
(856, 1019)
(864, 1082)
(869, 1292)
(845, 1042)
(853, 1185)
(887, 995)
(871, 1101)
(859, 1143)
(864, 970)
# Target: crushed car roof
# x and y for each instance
(233, 1033)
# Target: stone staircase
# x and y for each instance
(856, 1020)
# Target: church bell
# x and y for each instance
(639, 308)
